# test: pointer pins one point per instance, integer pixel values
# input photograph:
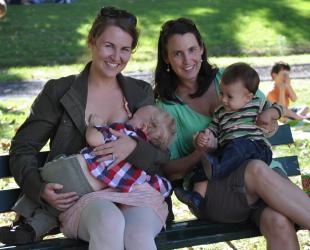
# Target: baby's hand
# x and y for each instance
(205, 140)
(201, 141)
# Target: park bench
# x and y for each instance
(177, 234)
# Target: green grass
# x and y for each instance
(54, 34)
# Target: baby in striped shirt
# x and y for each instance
(238, 126)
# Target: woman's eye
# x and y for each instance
(192, 49)
(128, 50)
(177, 54)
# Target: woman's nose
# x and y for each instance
(186, 58)
(116, 55)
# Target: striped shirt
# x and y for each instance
(122, 176)
(228, 125)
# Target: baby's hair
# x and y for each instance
(280, 66)
(241, 72)
(161, 127)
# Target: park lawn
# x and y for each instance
(55, 34)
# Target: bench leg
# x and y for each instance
(231, 245)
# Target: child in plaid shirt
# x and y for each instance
(149, 123)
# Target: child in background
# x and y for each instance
(235, 125)
(282, 92)
(3, 8)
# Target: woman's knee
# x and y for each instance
(256, 168)
(274, 224)
(256, 172)
(103, 216)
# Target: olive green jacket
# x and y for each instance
(58, 115)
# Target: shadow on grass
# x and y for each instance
(50, 34)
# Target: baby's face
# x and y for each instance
(234, 96)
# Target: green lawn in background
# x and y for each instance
(54, 34)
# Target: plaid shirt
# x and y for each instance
(123, 175)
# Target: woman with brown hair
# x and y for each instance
(107, 219)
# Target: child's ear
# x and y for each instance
(250, 96)
(144, 127)
(273, 75)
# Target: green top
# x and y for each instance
(188, 122)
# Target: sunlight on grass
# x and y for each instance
(259, 26)
(201, 11)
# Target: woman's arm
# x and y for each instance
(176, 169)
(29, 140)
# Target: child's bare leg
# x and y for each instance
(201, 188)
(303, 111)
(289, 113)
(93, 182)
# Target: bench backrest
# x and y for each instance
(283, 136)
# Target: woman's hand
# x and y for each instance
(117, 150)
(59, 201)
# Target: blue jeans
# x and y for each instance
(225, 160)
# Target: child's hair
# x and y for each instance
(280, 66)
(161, 127)
(241, 72)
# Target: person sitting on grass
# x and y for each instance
(234, 126)
(283, 92)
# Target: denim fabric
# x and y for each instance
(235, 153)
(225, 160)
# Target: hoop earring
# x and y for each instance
(168, 68)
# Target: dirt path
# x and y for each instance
(32, 88)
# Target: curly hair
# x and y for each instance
(161, 127)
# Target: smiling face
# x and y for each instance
(111, 51)
(234, 96)
(184, 56)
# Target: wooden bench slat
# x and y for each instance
(290, 164)
(204, 233)
(8, 198)
(4, 163)
(283, 136)
(4, 166)
(52, 244)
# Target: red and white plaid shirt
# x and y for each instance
(122, 176)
